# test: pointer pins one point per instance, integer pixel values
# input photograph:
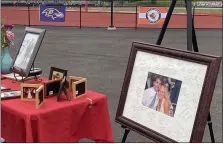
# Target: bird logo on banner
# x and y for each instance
(53, 13)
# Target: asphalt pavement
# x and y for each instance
(101, 56)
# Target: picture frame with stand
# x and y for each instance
(78, 86)
(57, 73)
(29, 91)
(52, 87)
(27, 51)
(167, 92)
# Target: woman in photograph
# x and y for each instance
(164, 103)
(30, 93)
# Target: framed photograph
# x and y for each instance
(10, 94)
(161, 93)
(73, 79)
(28, 91)
(27, 51)
(57, 73)
(39, 96)
(4, 88)
(166, 94)
(52, 87)
(78, 86)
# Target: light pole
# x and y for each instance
(111, 27)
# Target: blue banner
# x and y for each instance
(52, 13)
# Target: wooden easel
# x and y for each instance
(191, 45)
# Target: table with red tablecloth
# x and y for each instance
(64, 121)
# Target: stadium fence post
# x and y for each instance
(28, 15)
(136, 14)
(80, 17)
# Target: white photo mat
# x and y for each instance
(192, 75)
(26, 50)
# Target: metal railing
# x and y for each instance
(76, 16)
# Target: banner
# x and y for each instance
(152, 15)
(52, 13)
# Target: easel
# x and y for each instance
(63, 89)
(36, 78)
(191, 45)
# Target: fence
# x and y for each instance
(124, 17)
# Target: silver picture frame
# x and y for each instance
(28, 49)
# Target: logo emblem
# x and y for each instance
(153, 15)
(53, 13)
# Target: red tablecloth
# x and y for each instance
(65, 121)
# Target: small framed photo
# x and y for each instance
(73, 79)
(39, 96)
(57, 73)
(78, 86)
(166, 94)
(10, 94)
(28, 91)
(52, 87)
(4, 88)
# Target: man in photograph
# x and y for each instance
(150, 96)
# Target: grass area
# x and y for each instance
(201, 10)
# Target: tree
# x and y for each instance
(153, 1)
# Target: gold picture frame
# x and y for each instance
(73, 79)
(40, 96)
(78, 83)
(29, 91)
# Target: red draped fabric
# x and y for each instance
(64, 121)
